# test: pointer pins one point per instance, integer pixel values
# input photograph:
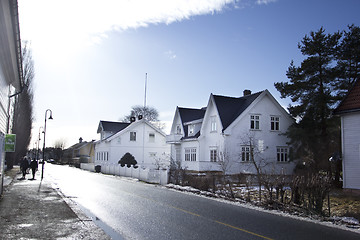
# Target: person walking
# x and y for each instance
(33, 166)
(24, 165)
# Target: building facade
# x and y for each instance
(10, 69)
(145, 142)
(233, 135)
(349, 111)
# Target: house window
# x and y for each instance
(178, 129)
(246, 155)
(213, 124)
(191, 129)
(275, 123)
(255, 122)
(151, 137)
(282, 154)
(190, 154)
(213, 155)
(119, 140)
(133, 136)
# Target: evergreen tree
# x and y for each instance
(348, 65)
(311, 89)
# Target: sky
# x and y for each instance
(91, 56)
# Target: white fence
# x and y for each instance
(146, 175)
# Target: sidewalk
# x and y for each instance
(32, 209)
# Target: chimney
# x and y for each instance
(80, 140)
(247, 92)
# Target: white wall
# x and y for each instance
(238, 134)
(141, 149)
(351, 150)
(269, 140)
(211, 140)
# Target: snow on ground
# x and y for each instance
(7, 180)
(345, 223)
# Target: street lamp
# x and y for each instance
(38, 144)
(43, 161)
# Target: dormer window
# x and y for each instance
(191, 129)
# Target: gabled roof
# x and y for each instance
(77, 146)
(111, 126)
(351, 103)
(189, 115)
(229, 108)
(133, 125)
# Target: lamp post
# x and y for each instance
(43, 161)
(38, 144)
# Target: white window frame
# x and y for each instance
(255, 122)
(274, 123)
(190, 154)
(213, 127)
(282, 154)
(178, 129)
(193, 154)
(246, 153)
(191, 129)
(213, 155)
(187, 154)
(151, 137)
(133, 136)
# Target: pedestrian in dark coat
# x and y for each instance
(33, 166)
(24, 165)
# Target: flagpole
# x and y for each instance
(145, 90)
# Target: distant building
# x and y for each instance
(10, 69)
(230, 133)
(145, 142)
(349, 110)
(81, 152)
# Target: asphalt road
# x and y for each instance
(129, 209)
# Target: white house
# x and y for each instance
(145, 142)
(11, 76)
(349, 110)
(231, 132)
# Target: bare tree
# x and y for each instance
(223, 159)
(23, 109)
(59, 147)
(148, 113)
(60, 143)
(162, 161)
(253, 155)
(177, 172)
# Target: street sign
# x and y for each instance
(10, 140)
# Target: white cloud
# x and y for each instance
(69, 21)
(170, 54)
(262, 2)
